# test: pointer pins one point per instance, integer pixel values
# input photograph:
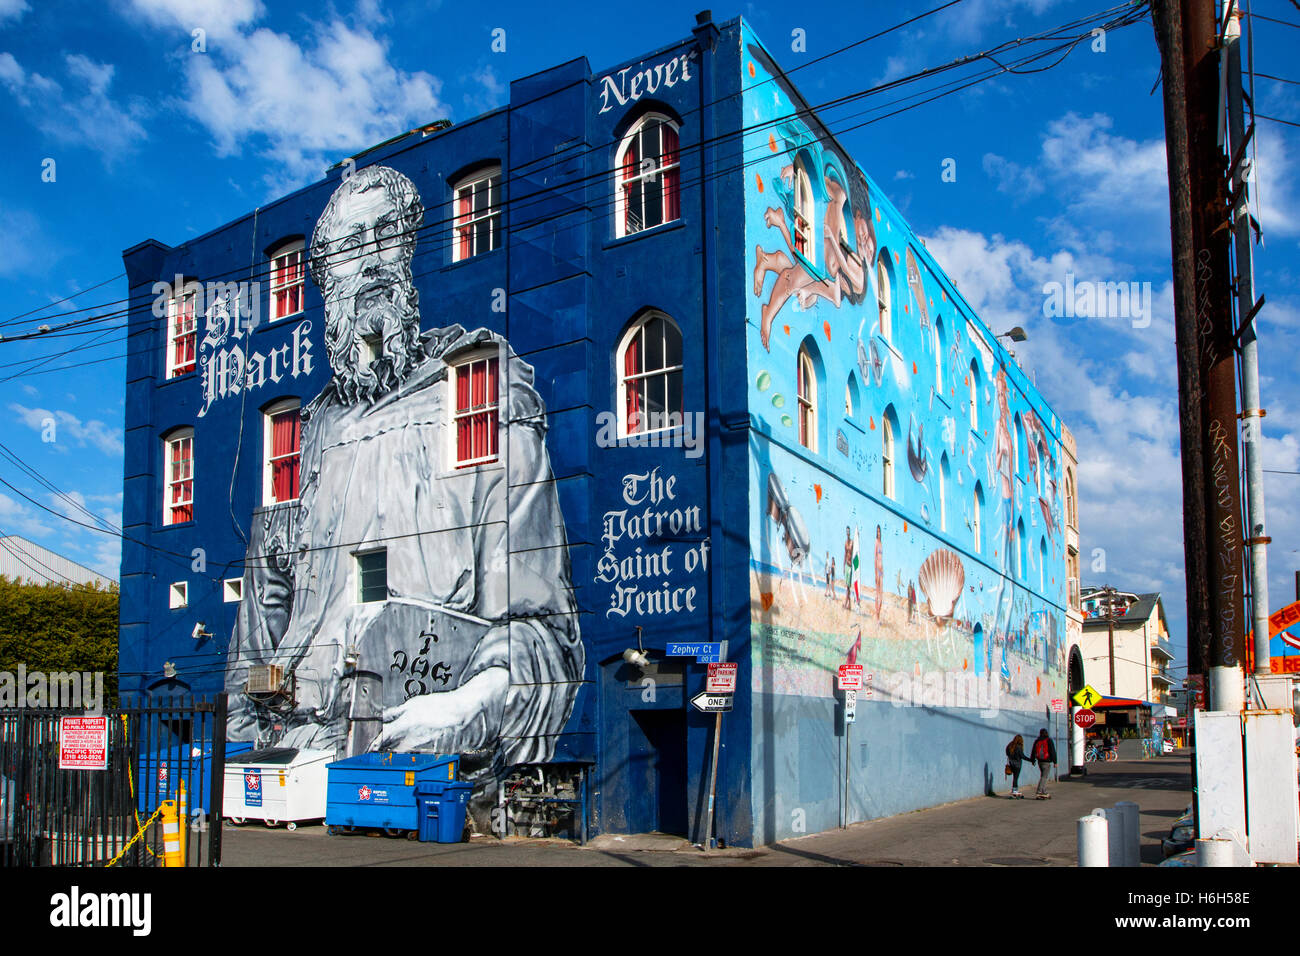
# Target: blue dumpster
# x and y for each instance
(442, 808)
(378, 790)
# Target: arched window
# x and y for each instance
(648, 170)
(888, 425)
(1020, 550)
(977, 510)
(178, 483)
(974, 380)
(1042, 565)
(806, 374)
(1071, 515)
(281, 451)
(1021, 460)
(851, 399)
(287, 279)
(940, 344)
(884, 294)
(803, 214)
(649, 360)
(476, 228)
(943, 492)
(182, 328)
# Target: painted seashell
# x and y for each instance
(941, 578)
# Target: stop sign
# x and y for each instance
(1085, 718)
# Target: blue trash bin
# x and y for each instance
(442, 805)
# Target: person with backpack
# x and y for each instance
(1015, 756)
(1043, 754)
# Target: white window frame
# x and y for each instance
(885, 296)
(191, 292)
(620, 359)
(268, 416)
(279, 260)
(887, 456)
(805, 211)
(644, 175)
(974, 397)
(178, 595)
(938, 356)
(491, 214)
(806, 399)
(462, 362)
(173, 438)
(975, 523)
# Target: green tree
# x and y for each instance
(56, 627)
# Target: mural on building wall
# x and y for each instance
(893, 580)
(471, 644)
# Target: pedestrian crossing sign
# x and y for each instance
(1088, 697)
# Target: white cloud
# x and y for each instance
(306, 104)
(1014, 180)
(12, 9)
(904, 174)
(67, 426)
(220, 19)
(85, 115)
(487, 91)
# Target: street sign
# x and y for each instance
(1085, 718)
(83, 743)
(713, 703)
(850, 706)
(703, 651)
(850, 676)
(868, 690)
(1058, 705)
(1087, 697)
(722, 678)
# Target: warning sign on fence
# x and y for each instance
(83, 743)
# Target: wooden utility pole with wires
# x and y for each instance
(1188, 37)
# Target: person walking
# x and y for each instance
(1015, 757)
(1043, 754)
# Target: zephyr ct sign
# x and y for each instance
(703, 652)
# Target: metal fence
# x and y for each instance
(157, 751)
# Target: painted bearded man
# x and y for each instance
(418, 602)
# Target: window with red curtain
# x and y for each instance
(649, 176)
(179, 503)
(182, 335)
(478, 214)
(287, 281)
(476, 415)
(651, 378)
(285, 453)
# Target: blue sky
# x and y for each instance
(1057, 172)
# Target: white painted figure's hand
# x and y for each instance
(453, 721)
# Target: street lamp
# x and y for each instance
(1016, 334)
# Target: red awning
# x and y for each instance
(1106, 702)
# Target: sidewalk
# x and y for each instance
(984, 831)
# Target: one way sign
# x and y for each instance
(712, 703)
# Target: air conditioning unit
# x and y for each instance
(264, 679)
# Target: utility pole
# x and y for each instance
(1188, 40)
(1247, 308)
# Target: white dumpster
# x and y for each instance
(276, 785)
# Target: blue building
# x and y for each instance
(444, 451)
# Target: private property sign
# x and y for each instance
(83, 743)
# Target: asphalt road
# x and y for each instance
(985, 831)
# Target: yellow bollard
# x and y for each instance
(183, 811)
(173, 855)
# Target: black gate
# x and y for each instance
(169, 751)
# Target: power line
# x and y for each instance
(1269, 76)
(543, 195)
(1274, 119)
(943, 90)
